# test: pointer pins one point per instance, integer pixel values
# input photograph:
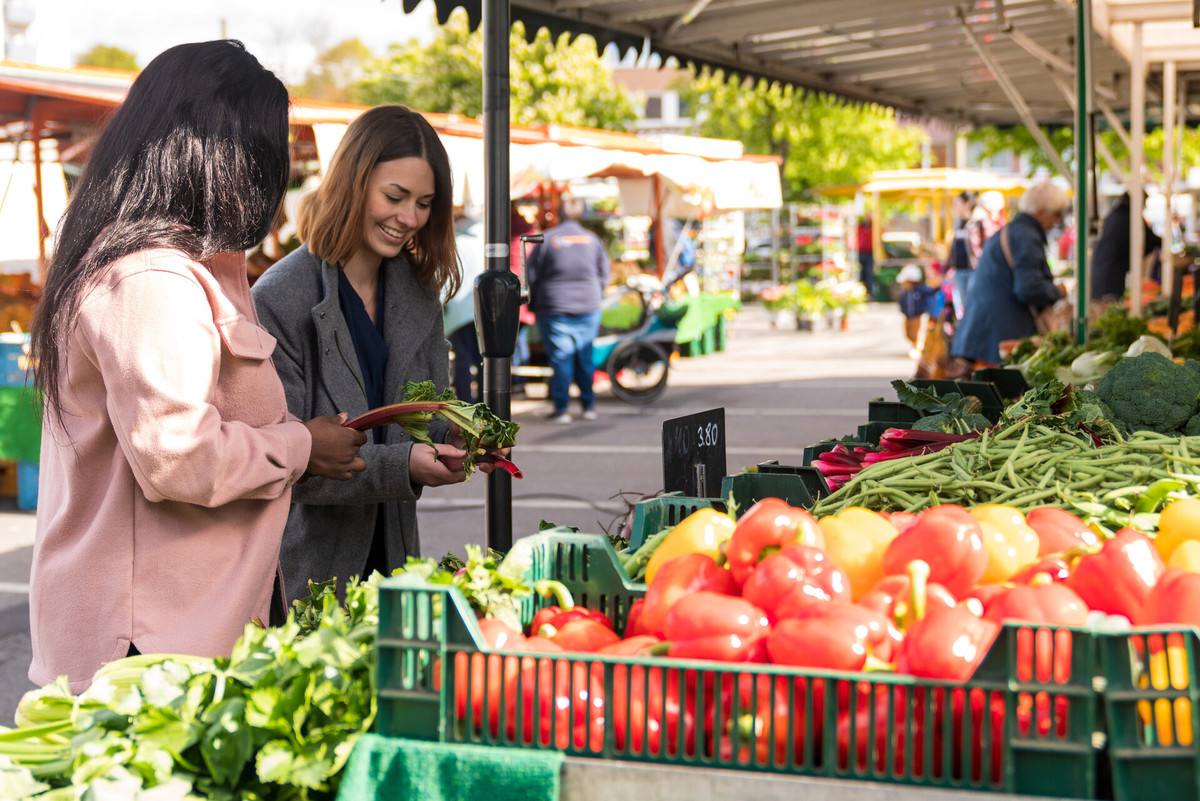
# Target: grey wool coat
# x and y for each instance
(331, 523)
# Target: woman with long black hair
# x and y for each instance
(168, 454)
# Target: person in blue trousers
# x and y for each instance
(567, 275)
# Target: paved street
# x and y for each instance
(781, 390)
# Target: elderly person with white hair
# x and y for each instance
(1012, 279)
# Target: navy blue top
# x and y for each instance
(372, 353)
(368, 341)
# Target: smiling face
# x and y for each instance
(399, 198)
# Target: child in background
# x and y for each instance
(918, 302)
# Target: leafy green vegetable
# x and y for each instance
(277, 719)
(482, 431)
(952, 413)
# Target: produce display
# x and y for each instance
(276, 720)
(938, 610)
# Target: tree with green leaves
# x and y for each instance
(823, 140)
(1018, 140)
(109, 57)
(336, 73)
(551, 81)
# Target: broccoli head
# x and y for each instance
(1150, 391)
(1192, 429)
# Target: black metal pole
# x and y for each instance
(497, 291)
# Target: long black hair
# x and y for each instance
(196, 158)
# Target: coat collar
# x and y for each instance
(406, 323)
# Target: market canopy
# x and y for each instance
(933, 58)
(935, 182)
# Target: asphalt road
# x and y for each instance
(781, 390)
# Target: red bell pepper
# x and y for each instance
(708, 625)
(479, 676)
(581, 634)
(892, 598)
(833, 635)
(1055, 565)
(794, 576)
(570, 704)
(633, 620)
(564, 611)
(985, 594)
(949, 540)
(1044, 602)
(652, 713)
(948, 643)
(878, 713)
(943, 642)
(767, 527)
(1058, 530)
(1117, 578)
(767, 707)
(683, 575)
(1174, 600)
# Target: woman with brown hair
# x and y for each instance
(357, 312)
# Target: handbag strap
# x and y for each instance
(1006, 247)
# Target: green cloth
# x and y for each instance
(20, 425)
(394, 769)
(701, 315)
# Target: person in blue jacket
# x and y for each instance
(1003, 291)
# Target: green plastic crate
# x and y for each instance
(881, 411)
(1007, 730)
(1153, 710)
(654, 514)
(743, 490)
(814, 482)
(1009, 382)
(989, 397)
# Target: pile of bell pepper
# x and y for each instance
(923, 595)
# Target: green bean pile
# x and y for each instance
(1024, 464)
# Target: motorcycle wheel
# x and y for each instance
(638, 371)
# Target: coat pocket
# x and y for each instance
(246, 339)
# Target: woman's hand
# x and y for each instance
(456, 439)
(436, 465)
(334, 448)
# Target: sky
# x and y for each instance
(286, 35)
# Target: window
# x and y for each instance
(654, 108)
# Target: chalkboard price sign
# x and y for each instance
(693, 452)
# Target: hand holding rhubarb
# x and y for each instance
(484, 434)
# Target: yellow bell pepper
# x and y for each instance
(1009, 541)
(1178, 523)
(702, 531)
(1186, 556)
(855, 539)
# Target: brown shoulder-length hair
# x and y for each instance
(329, 219)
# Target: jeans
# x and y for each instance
(568, 340)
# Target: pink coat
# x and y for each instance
(163, 500)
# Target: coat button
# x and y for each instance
(327, 351)
(321, 315)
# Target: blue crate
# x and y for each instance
(27, 485)
(14, 360)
